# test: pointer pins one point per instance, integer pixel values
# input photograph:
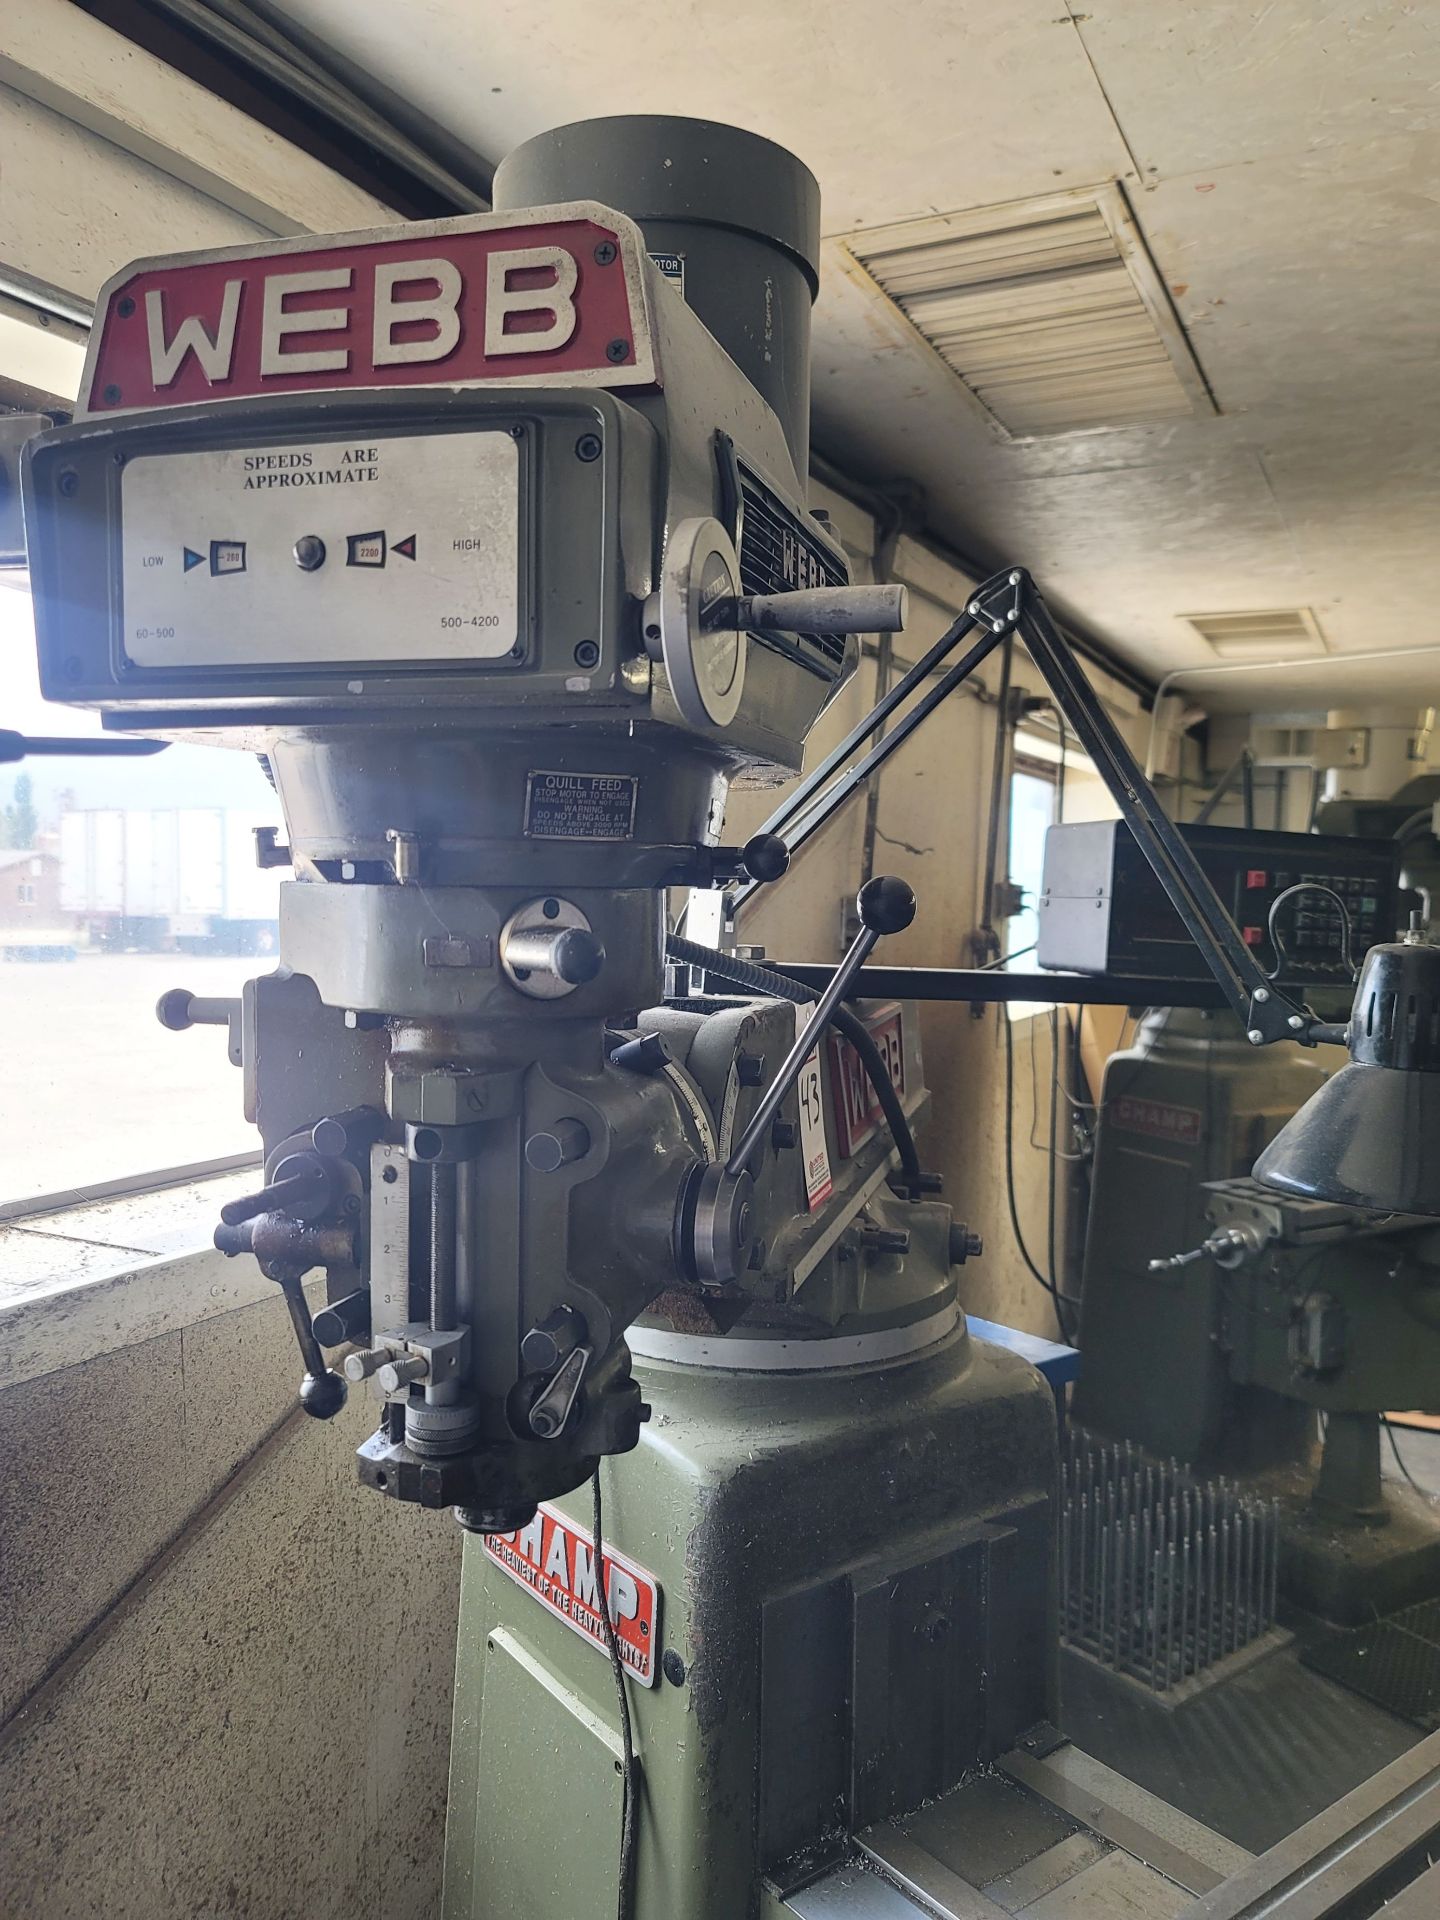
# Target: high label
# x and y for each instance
(552, 296)
(554, 1559)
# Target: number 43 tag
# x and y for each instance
(809, 1090)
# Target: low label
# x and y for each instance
(808, 1089)
(554, 1559)
(1158, 1118)
(580, 806)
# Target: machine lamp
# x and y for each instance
(1370, 1137)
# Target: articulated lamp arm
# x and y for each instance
(1009, 602)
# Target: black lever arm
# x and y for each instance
(1266, 1012)
(19, 746)
(886, 905)
(286, 1250)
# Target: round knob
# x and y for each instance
(172, 1009)
(885, 904)
(309, 552)
(557, 1146)
(765, 856)
(322, 1395)
(576, 957)
(360, 1366)
(396, 1374)
(555, 1338)
(965, 1244)
(547, 948)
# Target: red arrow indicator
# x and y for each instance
(405, 546)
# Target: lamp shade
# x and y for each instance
(1370, 1137)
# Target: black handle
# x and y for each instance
(286, 1251)
(885, 905)
(180, 1009)
(322, 1392)
(307, 1188)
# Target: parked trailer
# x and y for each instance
(168, 879)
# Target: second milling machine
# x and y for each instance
(491, 537)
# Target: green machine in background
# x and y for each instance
(1220, 1316)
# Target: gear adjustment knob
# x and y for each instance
(548, 949)
(322, 1395)
(765, 856)
(886, 904)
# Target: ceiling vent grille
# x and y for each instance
(1050, 311)
(1275, 633)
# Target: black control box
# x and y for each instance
(1102, 910)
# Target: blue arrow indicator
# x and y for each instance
(193, 559)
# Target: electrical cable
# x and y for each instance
(745, 973)
(1015, 1228)
(1050, 1182)
(1424, 1493)
(1422, 817)
(1004, 959)
(629, 1832)
(1060, 1092)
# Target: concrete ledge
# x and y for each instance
(94, 1279)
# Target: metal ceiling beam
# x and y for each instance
(246, 59)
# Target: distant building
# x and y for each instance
(30, 889)
(31, 917)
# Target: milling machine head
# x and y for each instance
(481, 533)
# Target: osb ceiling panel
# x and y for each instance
(1281, 160)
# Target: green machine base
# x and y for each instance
(855, 1609)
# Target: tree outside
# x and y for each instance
(19, 822)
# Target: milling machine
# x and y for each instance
(490, 536)
(492, 540)
(1218, 1318)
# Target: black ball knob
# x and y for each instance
(765, 856)
(172, 1009)
(577, 956)
(885, 904)
(309, 552)
(322, 1395)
